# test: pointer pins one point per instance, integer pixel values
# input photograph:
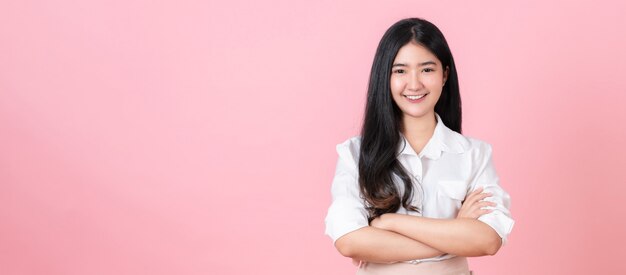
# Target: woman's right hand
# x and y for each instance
(473, 203)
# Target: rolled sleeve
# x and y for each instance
(347, 211)
(500, 218)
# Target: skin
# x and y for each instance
(415, 71)
(397, 237)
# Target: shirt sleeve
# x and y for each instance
(500, 218)
(347, 211)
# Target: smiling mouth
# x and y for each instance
(415, 97)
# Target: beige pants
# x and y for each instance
(454, 266)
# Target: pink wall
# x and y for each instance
(143, 137)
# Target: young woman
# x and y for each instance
(411, 194)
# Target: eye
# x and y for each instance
(428, 70)
(398, 71)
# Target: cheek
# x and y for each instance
(396, 85)
(433, 81)
(434, 85)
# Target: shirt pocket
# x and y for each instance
(450, 197)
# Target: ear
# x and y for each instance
(445, 74)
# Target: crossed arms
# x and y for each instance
(398, 237)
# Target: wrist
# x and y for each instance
(387, 221)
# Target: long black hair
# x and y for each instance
(380, 135)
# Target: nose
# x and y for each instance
(415, 82)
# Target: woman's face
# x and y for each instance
(417, 79)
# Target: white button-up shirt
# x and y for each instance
(449, 167)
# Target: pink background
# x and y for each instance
(195, 137)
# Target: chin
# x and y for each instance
(416, 114)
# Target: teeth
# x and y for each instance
(414, 97)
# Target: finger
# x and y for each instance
(478, 197)
(476, 213)
(484, 203)
(479, 212)
(484, 195)
(483, 199)
(484, 211)
(472, 194)
(480, 204)
(477, 191)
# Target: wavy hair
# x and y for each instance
(380, 133)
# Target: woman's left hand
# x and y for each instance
(473, 205)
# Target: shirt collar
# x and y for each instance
(443, 140)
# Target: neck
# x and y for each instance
(418, 130)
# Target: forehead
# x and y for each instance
(414, 53)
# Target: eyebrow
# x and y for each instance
(419, 65)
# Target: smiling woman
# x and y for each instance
(411, 194)
(417, 77)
